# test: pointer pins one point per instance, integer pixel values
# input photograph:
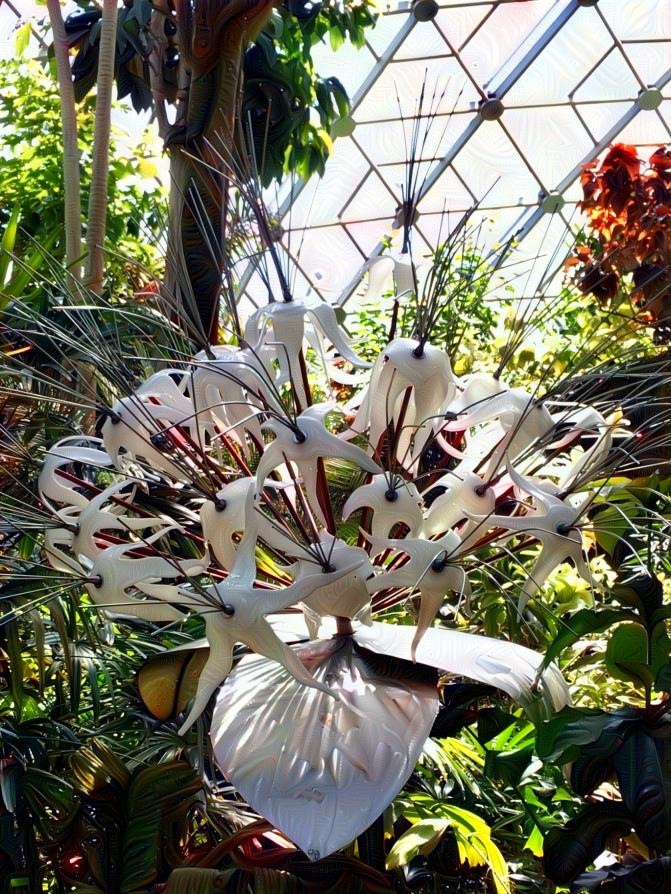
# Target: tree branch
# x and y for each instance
(71, 180)
(97, 215)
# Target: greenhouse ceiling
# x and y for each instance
(533, 89)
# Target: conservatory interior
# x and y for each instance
(335, 446)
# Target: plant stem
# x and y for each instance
(97, 213)
(71, 180)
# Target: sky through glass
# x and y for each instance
(571, 78)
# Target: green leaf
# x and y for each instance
(53, 802)
(491, 722)
(612, 524)
(663, 678)
(534, 842)
(22, 38)
(595, 762)
(422, 838)
(559, 739)
(587, 620)
(340, 95)
(570, 848)
(642, 766)
(154, 793)
(343, 127)
(627, 655)
(40, 654)
(336, 37)
(508, 766)
(471, 832)
(15, 666)
(7, 243)
(644, 592)
(10, 782)
(325, 138)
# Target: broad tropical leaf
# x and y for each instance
(568, 850)
(650, 877)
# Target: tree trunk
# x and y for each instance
(97, 213)
(200, 172)
(212, 35)
(71, 182)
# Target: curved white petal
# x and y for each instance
(54, 487)
(348, 596)
(508, 666)
(320, 768)
(464, 494)
(390, 504)
(221, 520)
(317, 443)
(136, 420)
(325, 317)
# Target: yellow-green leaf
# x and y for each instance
(534, 842)
(422, 838)
(147, 168)
(7, 243)
(326, 139)
(22, 38)
(472, 835)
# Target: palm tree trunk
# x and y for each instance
(199, 196)
(97, 213)
(71, 182)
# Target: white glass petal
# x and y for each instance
(321, 769)
(508, 666)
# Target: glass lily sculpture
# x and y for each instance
(212, 489)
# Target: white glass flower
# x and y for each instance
(234, 612)
(524, 421)
(328, 752)
(347, 596)
(54, 486)
(304, 444)
(555, 523)
(392, 501)
(406, 364)
(232, 389)
(432, 568)
(123, 567)
(287, 321)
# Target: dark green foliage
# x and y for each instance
(628, 746)
(82, 29)
(650, 877)
(569, 849)
(275, 112)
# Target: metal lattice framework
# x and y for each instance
(572, 76)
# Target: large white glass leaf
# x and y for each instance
(321, 769)
(508, 666)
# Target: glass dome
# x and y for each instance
(529, 92)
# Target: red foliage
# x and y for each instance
(628, 207)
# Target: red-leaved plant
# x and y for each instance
(628, 206)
